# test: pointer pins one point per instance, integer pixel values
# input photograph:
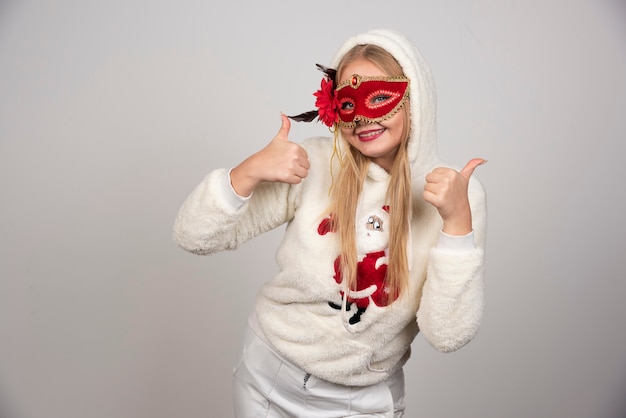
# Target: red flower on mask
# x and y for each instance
(327, 103)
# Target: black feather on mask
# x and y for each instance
(313, 114)
(305, 117)
(331, 73)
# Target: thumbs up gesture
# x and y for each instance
(281, 160)
(446, 190)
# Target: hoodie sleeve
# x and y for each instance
(452, 304)
(209, 222)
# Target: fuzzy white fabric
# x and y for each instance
(301, 310)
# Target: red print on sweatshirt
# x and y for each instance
(372, 241)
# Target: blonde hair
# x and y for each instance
(347, 188)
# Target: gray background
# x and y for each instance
(111, 112)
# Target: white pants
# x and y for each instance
(267, 386)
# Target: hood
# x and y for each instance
(422, 147)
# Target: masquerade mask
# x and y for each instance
(360, 98)
(370, 99)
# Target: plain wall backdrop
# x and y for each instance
(112, 112)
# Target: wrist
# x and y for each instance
(461, 225)
(241, 181)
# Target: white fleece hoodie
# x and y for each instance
(302, 311)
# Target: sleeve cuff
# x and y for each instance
(228, 194)
(456, 243)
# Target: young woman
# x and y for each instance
(382, 241)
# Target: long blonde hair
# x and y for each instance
(348, 184)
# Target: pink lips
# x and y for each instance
(370, 135)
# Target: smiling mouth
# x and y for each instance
(371, 134)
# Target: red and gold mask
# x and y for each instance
(370, 99)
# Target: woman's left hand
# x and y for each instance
(446, 190)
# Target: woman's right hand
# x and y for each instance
(281, 160)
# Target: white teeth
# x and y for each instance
(373, 133)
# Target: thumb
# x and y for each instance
(471, 166)
(283, 132)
